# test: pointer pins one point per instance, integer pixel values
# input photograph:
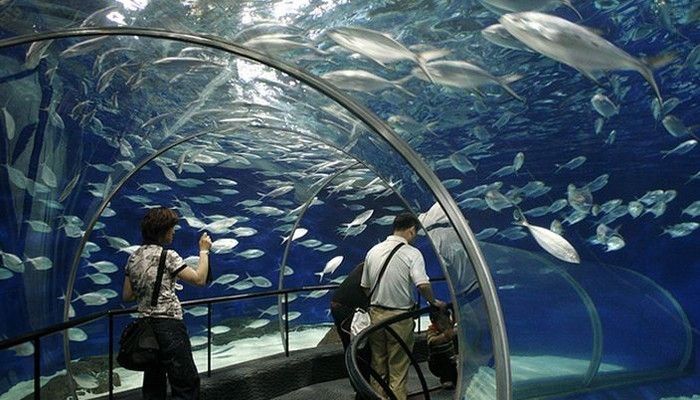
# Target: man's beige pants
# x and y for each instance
(389, 359)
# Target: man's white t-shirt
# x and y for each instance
(405, 271)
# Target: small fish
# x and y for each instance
(330, 267)
(360, 219)
(597, 183)
(497, 201)
(259, 281)
(244, 231)
(197, 311)
(556, 227)
(580, 198)
(41, 263)
(538, 211)
(315, 294)
(604, 106)
(77, 335)
(486, 233)
(224, 279)
(635, 208)
(571, 164)
(682, 229)
(513, 233)
(682, 148)
(362, 81)
(518, 161)
(219, 329)
(258, 323)
(298, 234)
(223, 246)
(328, 247)
(241, 285)
(693, 209)
(461, 163)
(614, 242)
(675, 126)
(311, 243)
(551, 242)
(558, 205)
(5, 274)
(251, 253)
(99, 278)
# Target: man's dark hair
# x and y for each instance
(405, 221)
(155, 224)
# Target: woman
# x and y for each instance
(158, 228)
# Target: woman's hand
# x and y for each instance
(204, 242)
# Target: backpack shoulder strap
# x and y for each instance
(159, 277)
(381, 273)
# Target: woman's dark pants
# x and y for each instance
(175, 361)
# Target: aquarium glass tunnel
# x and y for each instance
(548, 148)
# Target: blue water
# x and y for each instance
(555, 124)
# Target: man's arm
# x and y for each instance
(427, 291)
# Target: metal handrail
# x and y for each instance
(35, 336)
(361, 386)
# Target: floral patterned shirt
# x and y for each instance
(142, 269)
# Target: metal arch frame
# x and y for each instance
(449, 206)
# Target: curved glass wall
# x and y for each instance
(631, 160)
(202, 147)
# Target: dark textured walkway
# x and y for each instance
(341, 389)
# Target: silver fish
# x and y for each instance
(465, 75)
(682, 148)
(551, 242)
(362, 81)
(571, 164)
(603, 105)
(682, 229)
(506, 6)
(378, 46)
(574, 45)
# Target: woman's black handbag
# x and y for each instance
(138, 346)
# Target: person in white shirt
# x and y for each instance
(394, 295)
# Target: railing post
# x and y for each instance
(286, 324)
(209, 340)
(37, 368)
(111, 355)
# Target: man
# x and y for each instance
(394, 295)
(346, 299)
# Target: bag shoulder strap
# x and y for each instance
(381, 273)
(159, 278)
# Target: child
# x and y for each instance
(442, 361)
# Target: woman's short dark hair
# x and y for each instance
(156, 223)
(405, 221)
